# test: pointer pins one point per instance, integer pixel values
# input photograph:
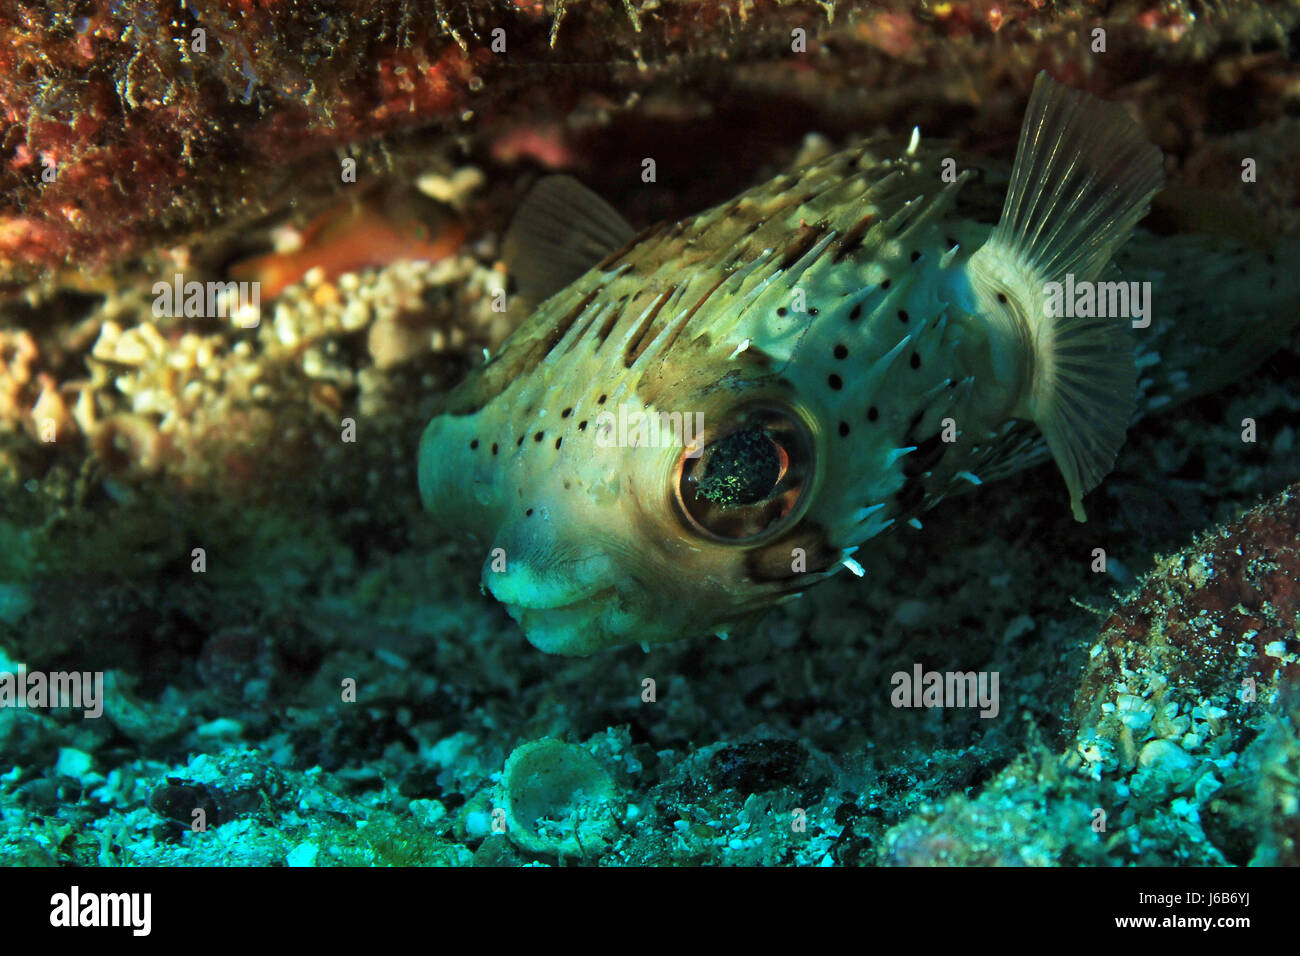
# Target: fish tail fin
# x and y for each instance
(1084, 175)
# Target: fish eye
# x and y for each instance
(749, 479)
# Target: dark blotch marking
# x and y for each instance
(873, 413)
(808, 237)
(855, 313)
(642, 336)
(911, 496)
(844, 429)
(835, 382)
(538, 436)
(607, 327)
(566, 413)
(494, 448)
(841, 351)
(772, 563)
(473, 446)
(886, 283)
(928, 454)
(916, 360)
(561, 327)
(852, 238)
(557, 442)
(902, 315)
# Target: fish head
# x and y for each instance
(635, 512)
(702, 426)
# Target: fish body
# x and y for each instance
(716, 414)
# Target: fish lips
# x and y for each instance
(577, 628)
(563, 607)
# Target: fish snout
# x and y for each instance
(528, 584)
(560, 601)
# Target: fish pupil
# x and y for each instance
(740, 469)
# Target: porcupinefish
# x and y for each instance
(823, 356)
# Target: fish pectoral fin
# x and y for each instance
(560, 231)
(1084, 409)
(1084, 175)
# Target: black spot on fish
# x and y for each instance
(494, 448)
(835, 382)
(902, 315)
(872, 413)
(886, 283)
(781, 311)
(841, 351)
(566, 413)
(916, 254)
(855, 313)
(916, 360)
(844, 429)
(582, 426)
(528, 513)
(473, 445)
(538, 437)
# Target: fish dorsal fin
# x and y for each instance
(560, 231)
(1084, 175)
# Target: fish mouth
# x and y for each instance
(570, 627)
(577, 605)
